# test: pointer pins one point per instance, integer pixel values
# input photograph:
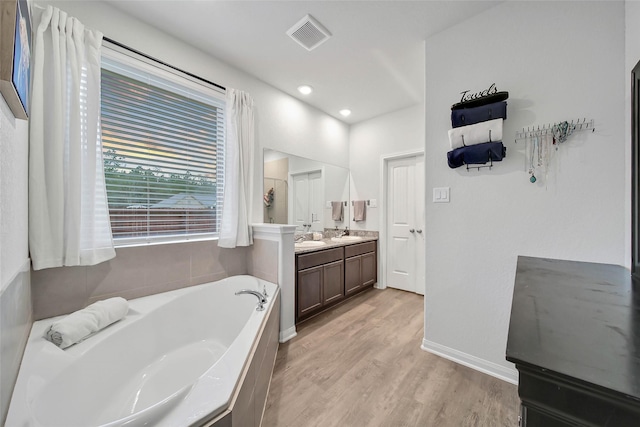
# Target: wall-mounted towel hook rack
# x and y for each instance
(367, 201)
(561, 130)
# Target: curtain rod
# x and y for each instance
(162, 62)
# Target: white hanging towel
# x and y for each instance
(489, 131)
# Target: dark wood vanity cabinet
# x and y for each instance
(319, 281)
(574, 336)
(360, 266)
(325, 277)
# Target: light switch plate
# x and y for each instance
(441, 195)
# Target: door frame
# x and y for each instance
(384, 162)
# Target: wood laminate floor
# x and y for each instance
(361, 364)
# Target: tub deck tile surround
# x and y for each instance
(262, 261)
(134, 272)
(360, 364)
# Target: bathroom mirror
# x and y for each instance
(302, 192)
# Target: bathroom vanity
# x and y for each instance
(574, 335)
(330, 272)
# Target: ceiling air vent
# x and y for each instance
(309, 33)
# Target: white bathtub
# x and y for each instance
(174, 360)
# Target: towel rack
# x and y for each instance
(368, 202)
(550, 129)
(490, 165)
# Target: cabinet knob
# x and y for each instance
(419, 231)
(411, 230)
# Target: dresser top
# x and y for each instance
(577, 319)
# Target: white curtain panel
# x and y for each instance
(238, 177)
(68, 212)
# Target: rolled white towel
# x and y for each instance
(479, 133)
(82, 323)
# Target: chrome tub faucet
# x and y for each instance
(262, 299)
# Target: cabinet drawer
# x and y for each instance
(359, 249)
(318, 258)
(546, 394)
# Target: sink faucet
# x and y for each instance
(300, 238)
(340, 233)
(261, 298)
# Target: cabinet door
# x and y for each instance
(333, 282)
(310, 285)
(352, 274)
(369, 269)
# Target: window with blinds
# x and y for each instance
(162, 136)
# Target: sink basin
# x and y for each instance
(346, 239)
(310, 244)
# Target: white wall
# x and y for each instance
(282, 122)
(558, 60)
(396, 132)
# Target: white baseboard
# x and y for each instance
(285, 336)
(473, 362)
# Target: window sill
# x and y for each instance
(161, 240)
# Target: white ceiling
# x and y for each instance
(373, 63)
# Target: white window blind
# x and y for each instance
(163, 139)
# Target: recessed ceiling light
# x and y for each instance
(305, 89)
(345, 112)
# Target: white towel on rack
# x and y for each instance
(479, 133)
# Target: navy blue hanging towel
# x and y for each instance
(471, 116)
(478, 154)
(478, 102)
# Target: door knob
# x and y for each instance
(411, 230)
(419, 231)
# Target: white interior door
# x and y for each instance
(307, 200)
(300, 197)
(405, 224)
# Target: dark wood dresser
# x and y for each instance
(574, 336)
